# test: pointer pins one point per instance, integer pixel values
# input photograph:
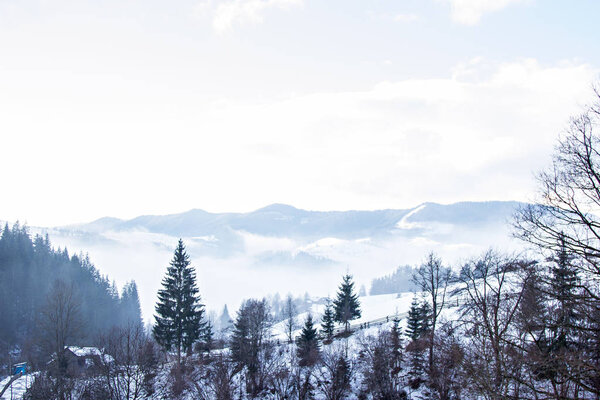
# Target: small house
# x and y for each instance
(84, 360)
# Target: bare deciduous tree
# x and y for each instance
(433, 279)
(290, 312)
(335, 375)
(127, 361)
(566, 219)
(61, 319)
(491, 291)
(61, 322)
(566, 210)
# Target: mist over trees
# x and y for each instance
(398, 281)
(38, 284)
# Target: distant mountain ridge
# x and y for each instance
(280, 220)
(280, 248)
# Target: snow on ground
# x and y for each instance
(374, 309)
(404, 224)
(19, 387)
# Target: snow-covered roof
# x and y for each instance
(85, 351)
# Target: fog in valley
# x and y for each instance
(233, 265)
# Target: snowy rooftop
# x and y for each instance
(85, 351)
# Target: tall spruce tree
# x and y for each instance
(563, 284)
(346, 305)
(225, 321)
(179, 314)
(328, 321)
(131, 313)
(426, 318)
(396, 345)
(308, 343)
(415, 329)
(413, 320)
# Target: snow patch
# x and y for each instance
(404, 224)
(85, 351)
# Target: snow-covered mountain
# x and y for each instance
(281, 220)
(283, 249)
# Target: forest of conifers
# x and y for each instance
(29, 269)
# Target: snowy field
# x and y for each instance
(375, 311)
(19, 386)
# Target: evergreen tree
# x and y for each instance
(557, 339)
(415, 329)
(114, 292)
(563, 285)
(130, 305)
(179, 314)
(308, 343)
(207, 337)
(413, 322)
(225, 321)
(426, 315)
(28, 267)
(346, 305)
(396, 346)
(251, 342)
(328, 321)
(341, 377)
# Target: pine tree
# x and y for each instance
(346, 305)
(179, 314)
(308, 343)
(415, 330)
(396, 346)
(207, 337)
(225, 322)
(250, 342)
(563, 285)
(413, 322)
(426, 314)
(328, 321)
(130, 305)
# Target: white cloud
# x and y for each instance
(226, 14)
(477, 134)
(474, 136)
(469, 12)
(406, 17)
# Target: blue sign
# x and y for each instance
(20, 368)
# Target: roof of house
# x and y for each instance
(85, 351)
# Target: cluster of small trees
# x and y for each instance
(256, 361)
(396, 282)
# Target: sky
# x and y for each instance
(129, 107)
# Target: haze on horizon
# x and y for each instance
(128, 108)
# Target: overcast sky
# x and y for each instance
(128, 107)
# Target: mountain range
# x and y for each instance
(285, 220)
(280, 248)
